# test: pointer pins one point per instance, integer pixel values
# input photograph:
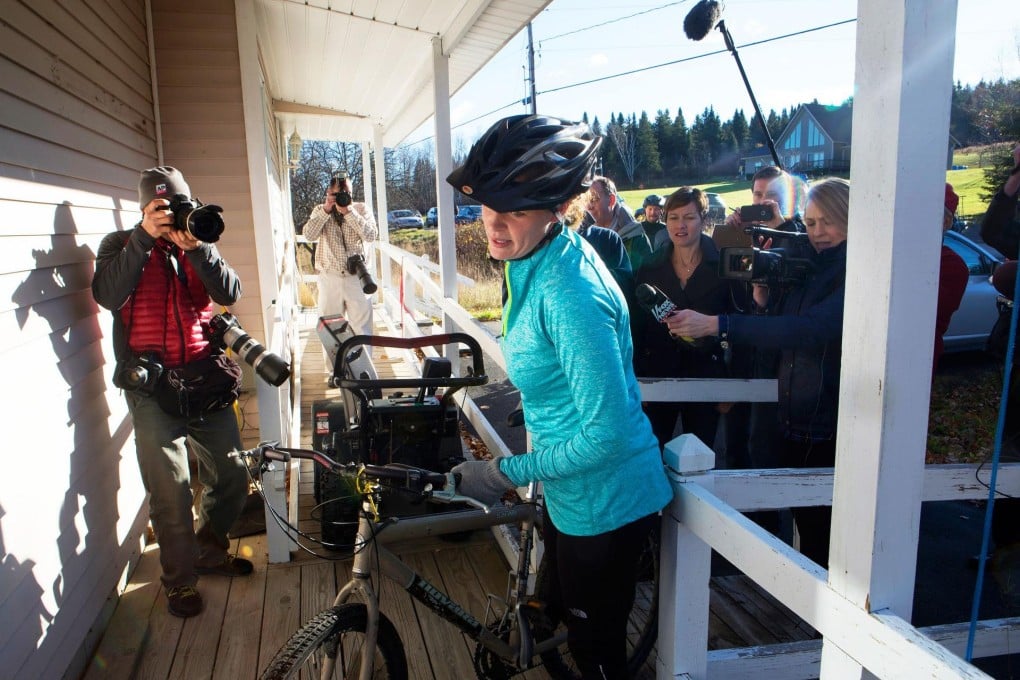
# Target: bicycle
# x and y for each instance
(353, 638)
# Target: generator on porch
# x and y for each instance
(410, 421)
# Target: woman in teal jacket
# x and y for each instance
(567, 343)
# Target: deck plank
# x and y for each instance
(162, 642)
(242, 619)
(445, 646)
(281, 613)
(128, 633)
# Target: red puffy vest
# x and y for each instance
(170, 309)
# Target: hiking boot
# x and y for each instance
(184, 601)
(231, 566)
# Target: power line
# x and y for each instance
(697, 56)
(650, 68)
(612, 21)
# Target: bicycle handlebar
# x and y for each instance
(438, 485)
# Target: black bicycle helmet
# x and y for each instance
(528, 162)
(654, 199)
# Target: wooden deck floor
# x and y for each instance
(246, 620)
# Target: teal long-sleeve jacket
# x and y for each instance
(567, 343)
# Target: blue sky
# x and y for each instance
(782, 73)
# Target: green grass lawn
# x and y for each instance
(969, 184)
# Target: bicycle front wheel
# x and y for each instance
(332, 644)
(642, 626)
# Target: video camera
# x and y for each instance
(225, 331)
(787, 262)
(201, 221)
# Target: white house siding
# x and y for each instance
(76, 124)
(202, 120)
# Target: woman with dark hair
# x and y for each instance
(566, 339)
(804, 322)
(687, 272)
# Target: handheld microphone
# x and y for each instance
(655, 302)
(702, 18)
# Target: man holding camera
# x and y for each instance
(163, 286)
(342, 227)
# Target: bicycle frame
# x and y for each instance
(370, 549)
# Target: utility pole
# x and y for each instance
(531, 72)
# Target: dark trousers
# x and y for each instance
(812, 523)
(595, 577)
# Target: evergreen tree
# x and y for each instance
(683, 140)
(665, 138)
(647, 150)
(739, 131)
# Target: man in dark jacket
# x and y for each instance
(1000, 229)
(163, 286)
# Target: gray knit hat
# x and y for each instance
(161, 182)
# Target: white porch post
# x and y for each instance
(684, 592)
(366, 171)
(381, 205)
(444, 166)
(904, 79)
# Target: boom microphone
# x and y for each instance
(702, 18)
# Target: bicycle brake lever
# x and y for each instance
(448, 494)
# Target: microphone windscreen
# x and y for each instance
(702, 18)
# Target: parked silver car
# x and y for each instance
(404, 219)
(973, 321)
(716, 208)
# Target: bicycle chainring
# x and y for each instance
(488, 666)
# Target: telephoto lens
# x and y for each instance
(228, 332)
(356, 265)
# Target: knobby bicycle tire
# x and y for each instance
(336, 636)
(642, 628)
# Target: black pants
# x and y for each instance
(812, 523)
(595, 577)
(1006, 514)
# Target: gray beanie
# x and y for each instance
(161, 182)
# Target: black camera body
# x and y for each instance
(225, 331)
(788, 262)
(201, 221)
(343, 198)
(756, 213)
(356, 265)
(139, 374)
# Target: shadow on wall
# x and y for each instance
(58, 290)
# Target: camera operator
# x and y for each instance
(804, 322)
(163, 286)
(341, 227)
(751, 427)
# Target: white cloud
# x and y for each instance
(599, 59)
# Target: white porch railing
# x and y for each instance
(706, 514)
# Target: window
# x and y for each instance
(793, 141)
(814, 135)
(973, 259)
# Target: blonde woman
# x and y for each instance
(804, 322)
